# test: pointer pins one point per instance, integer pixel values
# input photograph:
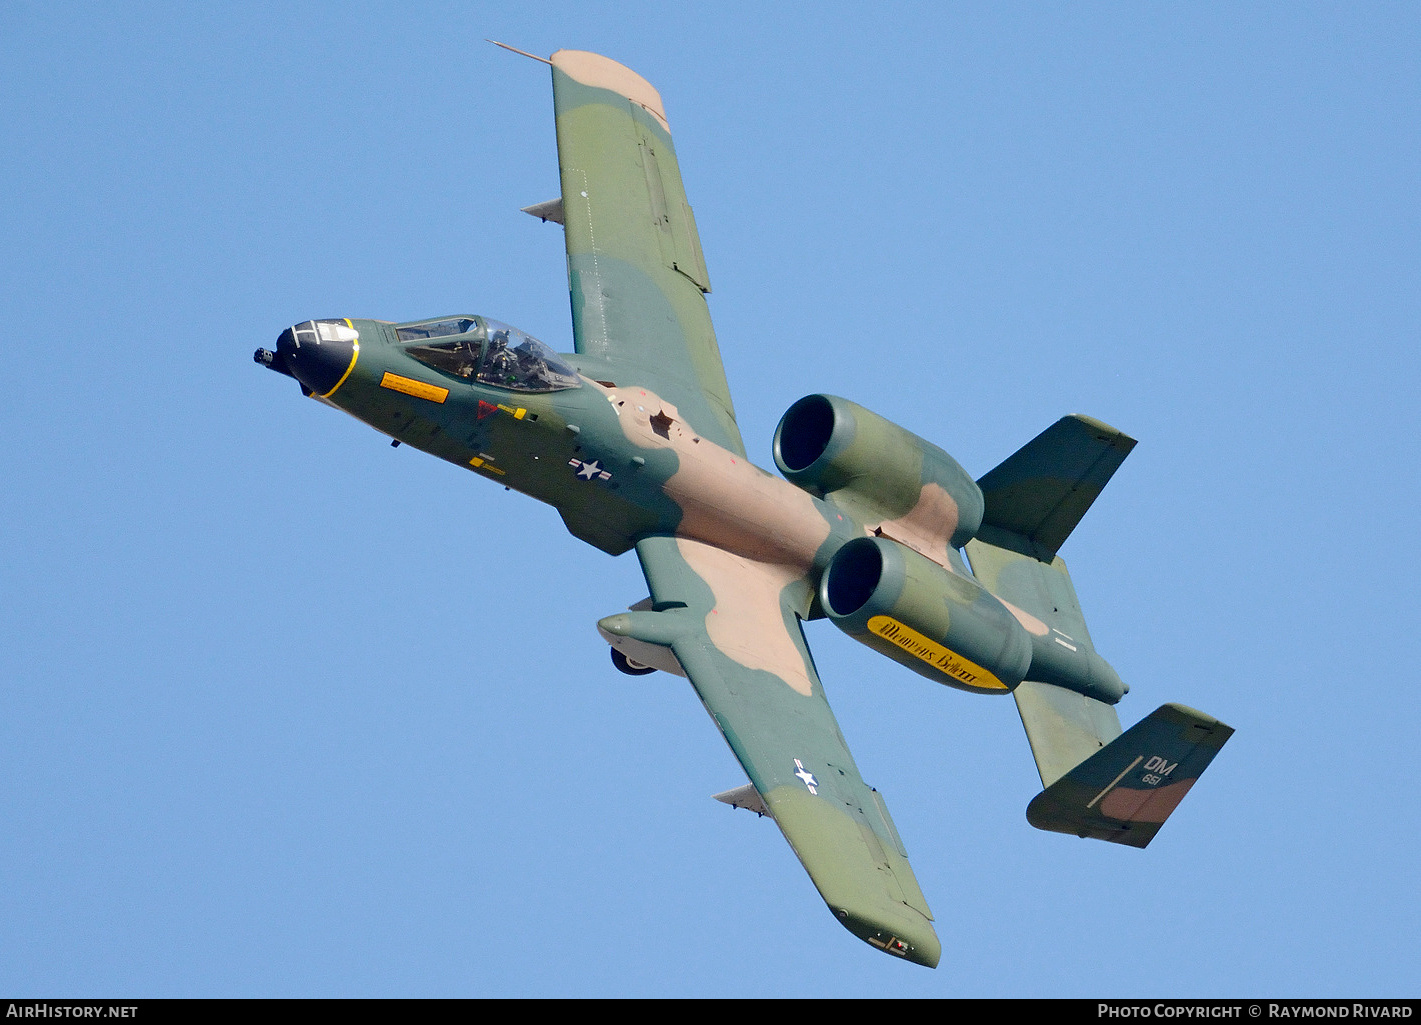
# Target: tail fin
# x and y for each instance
(1038, 495)
(1125, 792)
(1098, 782)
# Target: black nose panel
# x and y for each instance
(318, 363)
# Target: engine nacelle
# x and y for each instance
(942, 625)
(878, 473)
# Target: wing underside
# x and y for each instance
(733, 624)
(636, 275)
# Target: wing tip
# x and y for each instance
(593, 69)
(911, 940)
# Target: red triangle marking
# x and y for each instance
(485, 409)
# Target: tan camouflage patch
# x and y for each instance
(1144, 805)
(747, 623)
(602, 73)
(927, 527)
(1026, 619)
(725, 500)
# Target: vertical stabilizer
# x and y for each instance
(1035, 498)
(1125, 792)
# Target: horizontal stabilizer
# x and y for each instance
(746, 797)
(1040, 493)
(1124, 792)
(549, 211)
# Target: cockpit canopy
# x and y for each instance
(436, 329)
(489, 352)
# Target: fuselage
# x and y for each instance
(618, 463)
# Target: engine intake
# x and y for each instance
(878, 473)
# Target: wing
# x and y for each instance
(733, 624)
(635, 271)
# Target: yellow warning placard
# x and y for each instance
(409, 386)
(485, 463)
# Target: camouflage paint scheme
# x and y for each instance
(640, 450)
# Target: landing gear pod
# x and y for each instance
(626, 665)
(941, 625)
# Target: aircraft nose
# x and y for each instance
(319, 353)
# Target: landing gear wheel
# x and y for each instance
(626, 665)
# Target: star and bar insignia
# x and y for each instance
(590, 470)
(806, 777)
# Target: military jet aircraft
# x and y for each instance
(633, 439)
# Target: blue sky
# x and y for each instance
(288, 712)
